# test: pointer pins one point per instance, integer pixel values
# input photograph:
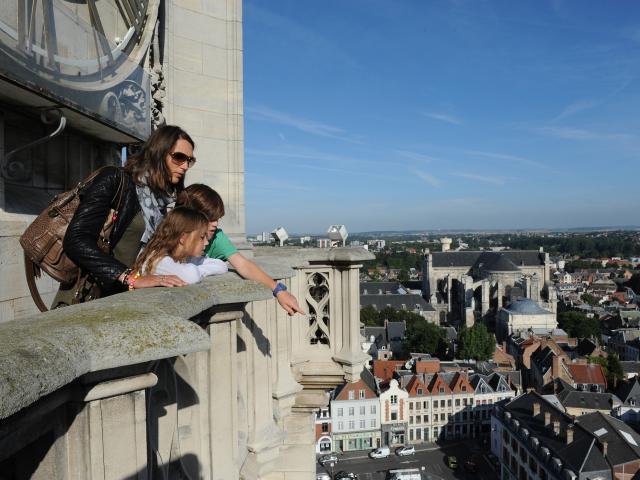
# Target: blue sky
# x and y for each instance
(394, 115)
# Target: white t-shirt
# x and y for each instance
(192, 271)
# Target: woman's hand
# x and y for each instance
(289, 303)
(147, 281)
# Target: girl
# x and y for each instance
(175, 247)
(206, 200)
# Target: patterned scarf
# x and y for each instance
(154, 208)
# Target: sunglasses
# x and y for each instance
(179, 158)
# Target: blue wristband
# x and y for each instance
(280, 287)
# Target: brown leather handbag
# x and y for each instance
(42, 240)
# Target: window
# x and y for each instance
(352, 424)
(373, 423)
(442, 403)
(362, 394)
(340, 426)
(363, 410)
(457, 402)
(339, 412)
(351, 411)
(424, 404)
(394, 416)
(410, 405)
(441, 389)
(464, 388)
(419, 391)
(442, 417)
(352, 395)
(425, 418)
(411, 420)
(373, 409)
(448, 403)
(325, 427)
(394, 400)
(362, 424)
(411, 435)
(418, 419)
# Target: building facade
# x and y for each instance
(393, 414)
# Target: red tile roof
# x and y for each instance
(355, 387)
(414, 384)
(587, 374)
(428, 366)
(436, 383)
(383, 369)
(460, 380)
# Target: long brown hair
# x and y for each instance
(167, 236)
(151, 159)
(203, 198)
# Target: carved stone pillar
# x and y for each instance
(350, 356)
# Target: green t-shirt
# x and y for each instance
(220, 247)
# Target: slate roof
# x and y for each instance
(409, 300)
(374, 288)
(498, 263)
(526, 306)
(396, 331)
(588, 400)
(629, 390)
(473, 258)
(623, 442)
(630, 366)
(582, 455)
(379, 334)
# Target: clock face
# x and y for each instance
(87, 55)
(80, 44)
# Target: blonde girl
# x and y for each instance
(177, 246)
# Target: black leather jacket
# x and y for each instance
(81, 239)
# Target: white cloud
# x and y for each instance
(570, 133)
(417, 156)
(505, 157)
(427, 177)
(576, 107)
(481, 178)
(443, 117)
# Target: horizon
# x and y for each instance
(447, 114)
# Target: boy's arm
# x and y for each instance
(249, 270)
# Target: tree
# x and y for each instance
(476, 343)
(369, 316)
(614, 371)
(403, 276)
(590, 299)
(425, 337)
(578, 325)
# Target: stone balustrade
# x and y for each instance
(210, 381)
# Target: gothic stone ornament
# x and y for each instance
(317, 298)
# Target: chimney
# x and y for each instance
(569, 434)
(547, 419)
(555, 366)
(604, 446)
(536, 409)
(556, 427)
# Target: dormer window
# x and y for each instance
(464, 388)
(441, 389)
(419, 391)
(352, 395)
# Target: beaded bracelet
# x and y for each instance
(132, 281)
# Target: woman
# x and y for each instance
(152, 178)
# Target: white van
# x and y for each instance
(382, 452)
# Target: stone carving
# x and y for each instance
(317, 298)
(158, 84)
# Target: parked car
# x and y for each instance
(471, 466)
(342, 475)
(382, 452)
(406, 450)
(452, 462)
(323, 476)
(331, 457)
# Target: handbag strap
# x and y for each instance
(32, 271)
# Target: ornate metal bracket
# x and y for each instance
(16, 170)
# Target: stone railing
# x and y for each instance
(210, 381)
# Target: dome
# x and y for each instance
(526, 306)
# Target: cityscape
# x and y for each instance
(330, 240)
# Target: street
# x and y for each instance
(430, 456)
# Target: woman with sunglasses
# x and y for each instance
(151, 180)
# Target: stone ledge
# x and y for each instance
(295, 257)
(44, 352)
